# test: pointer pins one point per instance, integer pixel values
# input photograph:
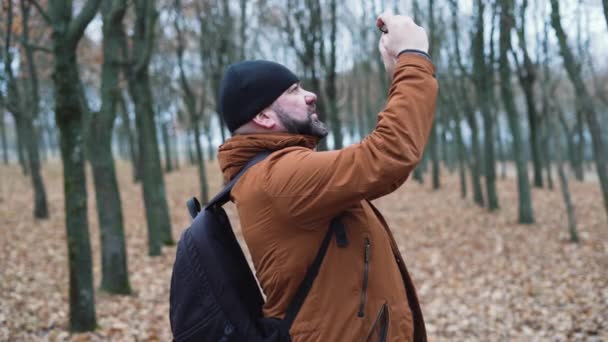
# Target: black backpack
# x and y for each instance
(214, 295)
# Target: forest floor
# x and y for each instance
(480, 275)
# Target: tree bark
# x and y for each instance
(548, 124)
(467, 109)
(190, 101)
(69, 117)
(482, 73)
(462, 161)
(242, 29)
(166, 146)
(527, 77)
(434, 158)
(584, 102)
(200, 160)
(605, 3)
(461, 148)
(433, 143)
(133, 153)
(155, 201)
(30, 112)
(563, 180)
(3, 137)
(21, 144)
(526, 214)
(330, 83)
(114, 270)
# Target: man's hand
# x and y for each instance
(400, 33)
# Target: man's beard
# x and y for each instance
(309, 126)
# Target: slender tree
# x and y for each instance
(526, 73)
(243, 29)
(157, 210)
(605, 3)
(330, 82)
(306, 21)
(3, 137)
(189, 99)
(546, 96)
(130, 132)
(467, 109)
(584, 101)
(433, 143)
(526, 214)
(24, 109)
(217, 50)
(67, 32)
(455, 119)
(563, 180)
(114, 271)
(482, 77)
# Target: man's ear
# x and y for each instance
(264, 119)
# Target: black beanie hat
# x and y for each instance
(249, 87)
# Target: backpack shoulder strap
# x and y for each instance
(194, 207)
(224, 196)
(311, 274)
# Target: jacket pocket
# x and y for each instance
(367, 247)
(379, 330)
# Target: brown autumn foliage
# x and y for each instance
(480, 275)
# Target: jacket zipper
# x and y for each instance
(361, 312)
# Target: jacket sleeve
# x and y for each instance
(313, 186)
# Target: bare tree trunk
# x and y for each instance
(30, 112)
(176, 147)
(190, 101)
(461, 148)
(243, 29)
(200, 159)
(482, 77)
(3, 137)
(157, 210)
(527, 77)
(24, 111)
(190, 140)
(584, 102)
(548, 123)
(469, 112)
(133, 153)
(501, 150)
(462, 161)
(69, 117)
(605, 3)
(330, 84)
(526, 214)
(563, 180)
(210, 146)
(115, 274)
(433, 143)
(579, 152)
(21, 144)
(166, 146)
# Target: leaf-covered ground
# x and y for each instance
(481, 276)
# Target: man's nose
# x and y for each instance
(310, 99)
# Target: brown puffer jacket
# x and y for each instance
(286, 202)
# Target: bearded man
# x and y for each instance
(286, 202)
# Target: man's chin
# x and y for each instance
(320, 131)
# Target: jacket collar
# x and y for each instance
(238, 150)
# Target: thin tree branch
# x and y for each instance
(42, 12)
(35, 47)
(149, 38)
(78, 25)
